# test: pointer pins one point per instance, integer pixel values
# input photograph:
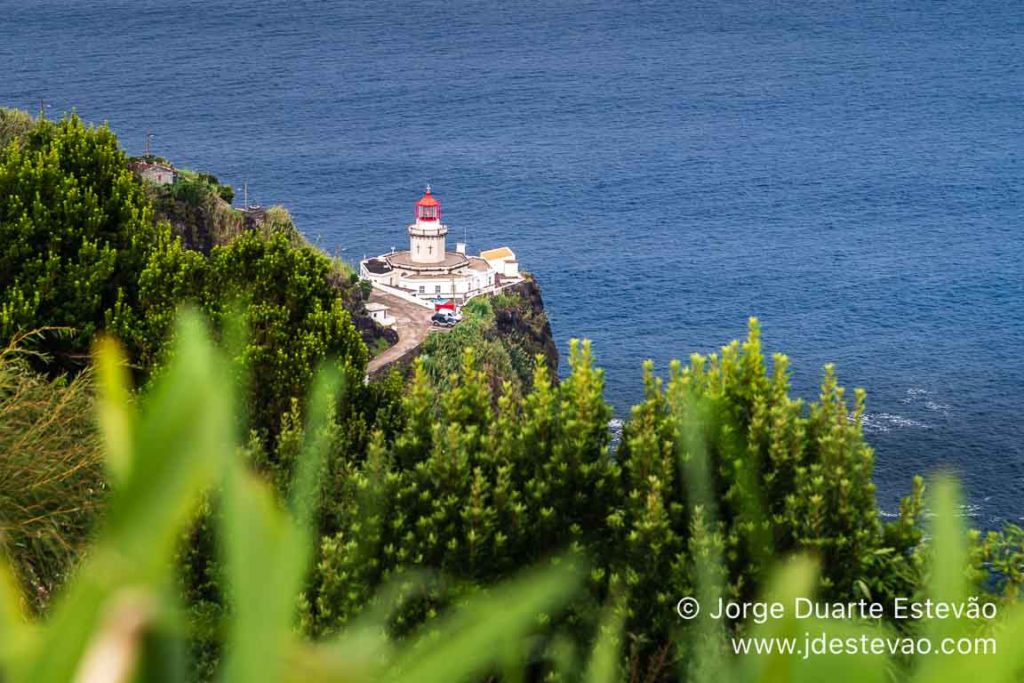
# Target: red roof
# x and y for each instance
(428, 200)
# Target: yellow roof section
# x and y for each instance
(497, 254)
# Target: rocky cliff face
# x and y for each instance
(525, 323)
(507, 333)
(199, 211)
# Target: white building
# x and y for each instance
(503, 260)
(381, 313)
(429, 271)
(155, 172)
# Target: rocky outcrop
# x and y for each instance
(199, 211)
(526, 323)
(508, 332)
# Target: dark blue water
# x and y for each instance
(849, 172)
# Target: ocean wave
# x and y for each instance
(937, 407)
(913, 394)
(964, 510)
(968, 510)
(615, 426)
(919, 395)
(877, 423)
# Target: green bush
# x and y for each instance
(75, 232)
(178, 446)
(118, 622)
(502, 358)
(226, 192)
(294, 315)
(476, 488)
(14, 125)
(80, 249)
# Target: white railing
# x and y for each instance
(402, 294)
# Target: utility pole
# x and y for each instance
(42, 109)
(149, 144)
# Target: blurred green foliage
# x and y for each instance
(180, 444)
(119, 620)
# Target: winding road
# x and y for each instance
(413, 326)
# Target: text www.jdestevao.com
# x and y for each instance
(817, 644)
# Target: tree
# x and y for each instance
(75, 232)
(718, 466)
(14, 124)
(295, 317)
(723, 456)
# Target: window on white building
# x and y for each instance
(437, 289)
(422, 289)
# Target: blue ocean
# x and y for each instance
(849, 172)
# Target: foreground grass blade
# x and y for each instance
(305, 490)
(603, 666)
(946, 571)
(267, 551)
(114, 408)
(473, 639)
(177, 451)
(261, 547)
(15, 629)
(794, 579)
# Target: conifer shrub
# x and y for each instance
(75, 232)
(475, 488)
(478, 505)
(769, 475)
(294, 314)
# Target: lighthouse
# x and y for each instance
(427, 234)
(428, 271)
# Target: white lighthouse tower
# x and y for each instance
(427, 234)
(428, 271)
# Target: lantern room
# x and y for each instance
(428, 208)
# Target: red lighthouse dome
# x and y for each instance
(428, 208)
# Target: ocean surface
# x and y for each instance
(849, 172)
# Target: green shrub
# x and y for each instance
(177, 447)
(226, 192)
(476, 488)
(14, 125)
(294, 315)
(118, 622)
(502, 358)
(75, 232)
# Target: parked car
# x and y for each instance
(444, 319)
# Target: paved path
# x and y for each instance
(413, 326)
